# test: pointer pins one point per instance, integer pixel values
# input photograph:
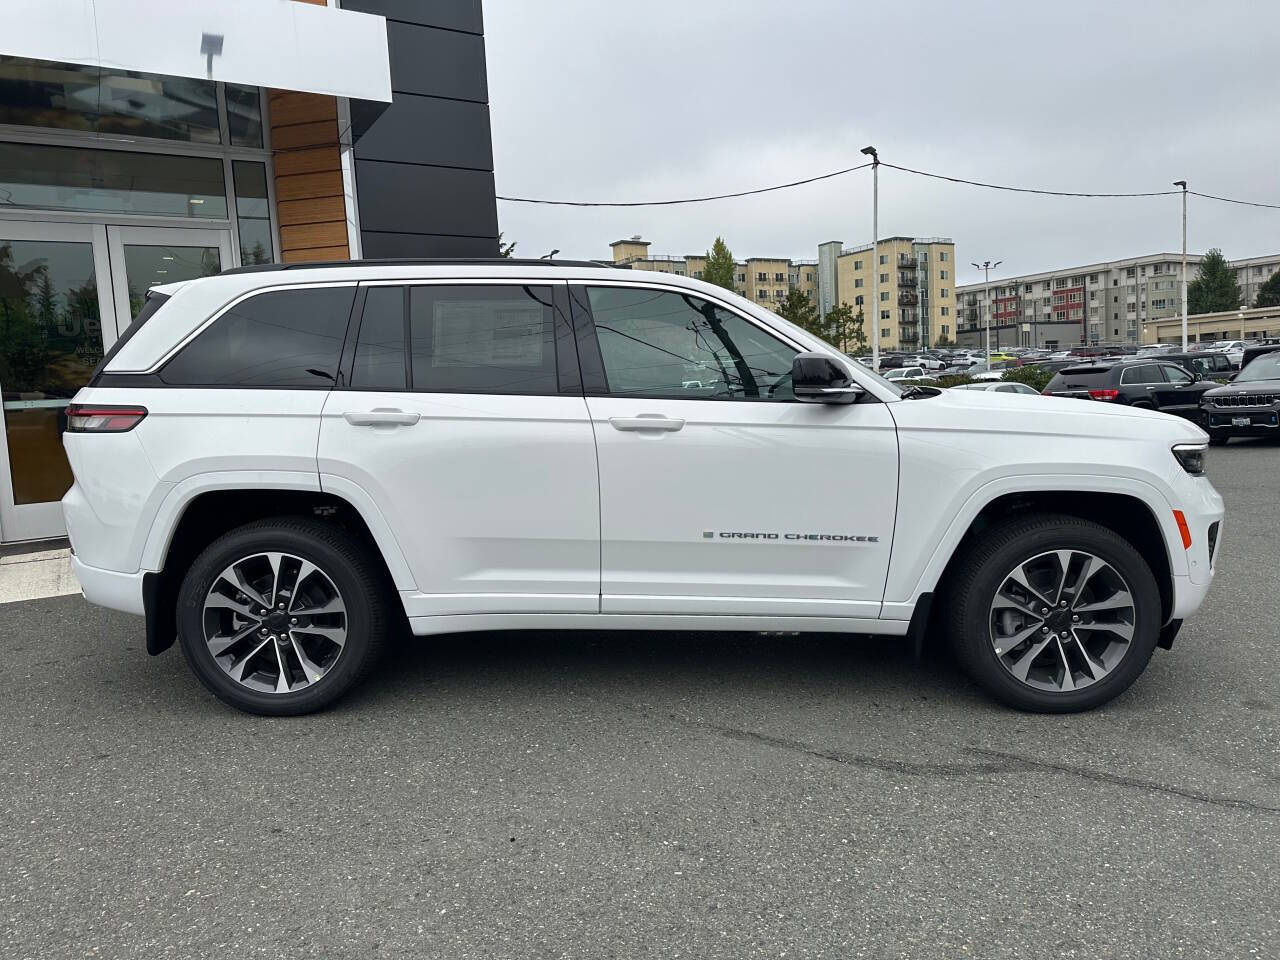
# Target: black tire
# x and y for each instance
(1142, 405)
(353, 571)
(1217, 440)
(980, 573)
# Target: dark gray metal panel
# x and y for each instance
(450, 14)
(377, 245)
(437, 63)
(423, 130)
(407, 198)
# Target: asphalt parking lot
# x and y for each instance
(624, 795)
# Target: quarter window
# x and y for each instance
(661, 344)
(482, 339)
(282, 338)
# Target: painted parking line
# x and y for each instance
(42, 573)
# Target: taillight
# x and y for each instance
(1046, 392)
(103, 417)
(1104, 394)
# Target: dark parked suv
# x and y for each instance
(1154, 384)
(1249, 406)
(1210, 366)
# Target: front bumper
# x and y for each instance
(1224, 421)
(109, 588)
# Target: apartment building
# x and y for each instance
(916, 307)
(1118, 301)
(765, 280)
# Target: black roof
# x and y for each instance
(418, 262)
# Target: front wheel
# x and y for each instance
(282, 617)
(1053, 614)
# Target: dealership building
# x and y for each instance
(143, 143)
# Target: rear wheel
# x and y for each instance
(282, 617)
(1053, 614)
(1217, 440)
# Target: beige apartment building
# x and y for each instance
(916, 306)
(765, 280)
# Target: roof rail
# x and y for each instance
(417, 262)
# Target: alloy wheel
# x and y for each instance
(275, 622)
(1062, 620)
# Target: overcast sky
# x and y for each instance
(594, 100)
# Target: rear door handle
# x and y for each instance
(381, 417)
(647, 421)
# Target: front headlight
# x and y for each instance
(1191, 456)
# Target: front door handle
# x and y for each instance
(381, 417)
(647, 421)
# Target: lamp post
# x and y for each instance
(1183, 185)
(986, 267)
(875, 251)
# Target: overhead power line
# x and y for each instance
(999, 186)
(1245, 203)
(891, 166)
(667, 203)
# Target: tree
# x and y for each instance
(799, 309)
(843, 330)
(720, 268)
(1269, 292)
(944, 342)
(506, 249)
(1214, 289)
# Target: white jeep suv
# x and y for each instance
(280, 466)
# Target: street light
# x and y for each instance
(1183, 185)
(986, 267)
(875, 251)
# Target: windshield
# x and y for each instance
(1265, 367)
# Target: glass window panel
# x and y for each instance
(42, 93)
(111, 181)
(244, 115)
(379, 361)
(478, 339)
(676, 345)
(149, 265)
(286, 338)
(253, 211)
(50, 342)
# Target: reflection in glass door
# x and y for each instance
(55, 323)
(146, 257)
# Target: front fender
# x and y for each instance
(916, 570)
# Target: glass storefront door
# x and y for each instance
(66, 291)
(146, 257)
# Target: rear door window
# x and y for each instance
(280, 338)
(1142, 373)
(483, 339)
(380, 346)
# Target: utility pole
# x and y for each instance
(1183, 185)
(875, 253)
(986, 267)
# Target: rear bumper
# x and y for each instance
(109, 588)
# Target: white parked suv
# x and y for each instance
(281, 466)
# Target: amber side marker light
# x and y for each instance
(103, 417)
(1183, 529)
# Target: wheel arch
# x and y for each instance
(1135, 509)
(208, 513)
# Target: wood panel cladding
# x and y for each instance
(308, 169)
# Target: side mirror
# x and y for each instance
(816, 378)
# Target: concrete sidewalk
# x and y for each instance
(32, 571)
